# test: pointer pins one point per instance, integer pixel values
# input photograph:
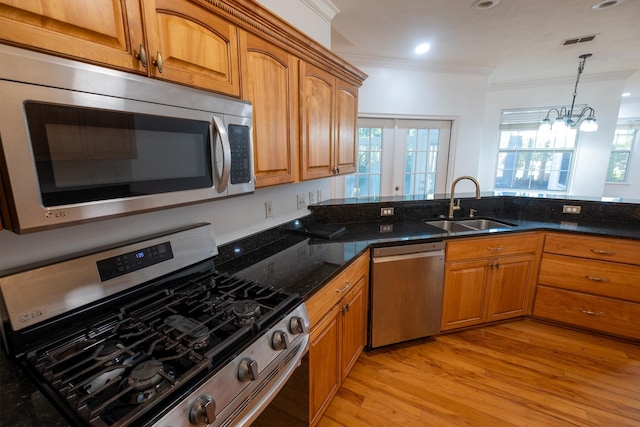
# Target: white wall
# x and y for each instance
(231, 218)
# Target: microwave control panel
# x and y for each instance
(240, 154)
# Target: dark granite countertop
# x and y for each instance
(297, 263)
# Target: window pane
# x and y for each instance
(366, 181)
(421, 161)
(617, 171)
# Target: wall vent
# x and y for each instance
(577, 40)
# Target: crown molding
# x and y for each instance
(324, 8)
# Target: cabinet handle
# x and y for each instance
(345, 309)
(346, 286)
(591, 313)
(496, 249)
(142, 56)
(602, 252)
(597, 279)
(157, 61)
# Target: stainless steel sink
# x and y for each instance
(451, 226)
(483, 224)
(454, 226)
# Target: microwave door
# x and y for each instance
(221, 152)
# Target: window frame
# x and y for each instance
(635, 127)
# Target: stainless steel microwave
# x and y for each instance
(80, 143)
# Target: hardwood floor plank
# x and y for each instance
(523, 373)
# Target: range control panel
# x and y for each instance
(119, 265)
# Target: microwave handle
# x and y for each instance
(225, 162)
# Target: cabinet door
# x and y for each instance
(346, 127)
(353, 326)
(107, 32)
(317, 91)
(324, 369)
(464, 293)
(196, 47)
(270, 83)
(509, 289)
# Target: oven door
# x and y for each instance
(72, 157)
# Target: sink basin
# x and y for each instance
(454, 226)
(451, 226)
(483, 224)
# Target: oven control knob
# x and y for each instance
(248, 370)
(280, 340)
(296, 325)
(203, 411)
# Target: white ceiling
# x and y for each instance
(514, 42)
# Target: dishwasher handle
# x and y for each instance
(419, 248)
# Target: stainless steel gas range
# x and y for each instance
(149, 333)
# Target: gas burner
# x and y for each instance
(196, 333)
(146, 374)
(146, 379)
(109, 350)
(245, 311)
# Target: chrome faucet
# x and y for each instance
(455, 207)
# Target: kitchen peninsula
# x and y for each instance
(301, 264)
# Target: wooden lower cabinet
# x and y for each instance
(488, 279)
(338, 317)
(593, 312)
(487, 290)
(590, 282)
(324, 349)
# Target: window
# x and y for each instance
(400, 157)
(619, 160)
(367, 179)
(529, 159)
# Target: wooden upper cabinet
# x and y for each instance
(317, 95)
(107, 32)
(270, 83)
(346, 127)
(188, 44)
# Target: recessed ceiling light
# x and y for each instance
(422, 48)
(484, 4)
(606, 4)
(626, 94)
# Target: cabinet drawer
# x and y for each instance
(591, 276)
(601, 248)
(598, 313)
(485, 247)
(323, 300)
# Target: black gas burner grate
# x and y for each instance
(114, 370)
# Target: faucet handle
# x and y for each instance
(472, 212)
(456, 206)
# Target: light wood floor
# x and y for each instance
(523, 373)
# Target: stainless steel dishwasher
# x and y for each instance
(406, 293)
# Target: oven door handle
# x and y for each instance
(221, 151)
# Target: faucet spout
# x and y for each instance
(452, 205)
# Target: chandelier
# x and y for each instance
(564, 118)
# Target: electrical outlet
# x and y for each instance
(386, 228)
(571, 209)
(386, 211)
(312, 197)
(319, 194)
(302, 201)
(267, 209)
